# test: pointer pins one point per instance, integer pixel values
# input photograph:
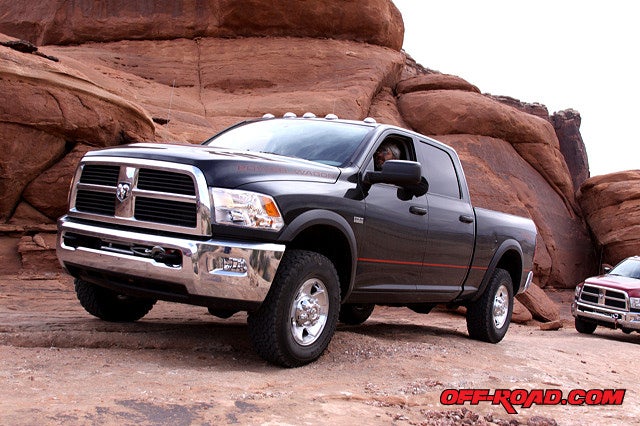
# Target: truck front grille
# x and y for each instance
(165, 211)
(100, 174)
(141, 193)
(96, 202)
(603, 296)
(163, 181)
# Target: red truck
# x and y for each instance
(611, 300)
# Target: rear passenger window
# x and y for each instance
(439, 171)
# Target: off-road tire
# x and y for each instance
(109, 305)
(488, 318)
(355, 313)
(585, 327)
(306, 284)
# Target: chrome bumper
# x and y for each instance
(527, 283)
(617, 319)
(214, 268)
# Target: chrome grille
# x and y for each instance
(603, 296)
(172, 197)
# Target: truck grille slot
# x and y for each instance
(99, 174)
(604, 297)
(164, 181)
(165, 211)
(96, 202)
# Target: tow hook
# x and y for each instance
(170, 257)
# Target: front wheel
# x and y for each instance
(298, 318)
(108, 305)
(585, 327)
(488, 318)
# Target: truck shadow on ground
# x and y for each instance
(205, 340)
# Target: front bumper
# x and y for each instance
(607, 317)
(212, 269)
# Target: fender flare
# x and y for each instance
(315, 217)
(507, 245)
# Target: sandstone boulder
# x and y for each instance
(533, 108)
(539, 304)
(520, 315)
(56, 108)
(48, 192)
(26, 152)
(434, 81)
(60, 101)
(61, 22)
(611, 204)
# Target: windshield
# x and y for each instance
(627, 268)
(325, 142)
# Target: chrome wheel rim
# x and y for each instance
(309, 312)
(500, 307)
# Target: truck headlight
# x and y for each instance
(244, 208)
(634, 302)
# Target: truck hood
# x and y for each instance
(616, 282)
(228, 168)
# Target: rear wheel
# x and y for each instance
(297, 320)
(585, 327)
(488, 318)
(355, 313)
(109, 305)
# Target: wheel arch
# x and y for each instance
(509, 257)
(329, 234)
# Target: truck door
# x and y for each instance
(451, 226)
(395, 232)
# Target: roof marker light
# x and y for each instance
(331, 117)
(309, 115)
(289, 115)
(268, 116)
(370, 120)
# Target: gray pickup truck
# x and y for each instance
(290, 220)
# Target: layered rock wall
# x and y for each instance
(76, 22)
(116, 72)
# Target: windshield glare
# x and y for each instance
(325, 142)
(627, 268)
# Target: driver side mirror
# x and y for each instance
(395, 172)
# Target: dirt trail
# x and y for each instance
(181, 366)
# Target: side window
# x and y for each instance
(440, 171)
(393, 147)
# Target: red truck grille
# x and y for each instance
(603, 296)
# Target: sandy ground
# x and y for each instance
(182, 366)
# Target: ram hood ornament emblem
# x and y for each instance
(122, 191)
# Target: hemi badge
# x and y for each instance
(358, 219)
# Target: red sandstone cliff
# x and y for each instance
(117, 72)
